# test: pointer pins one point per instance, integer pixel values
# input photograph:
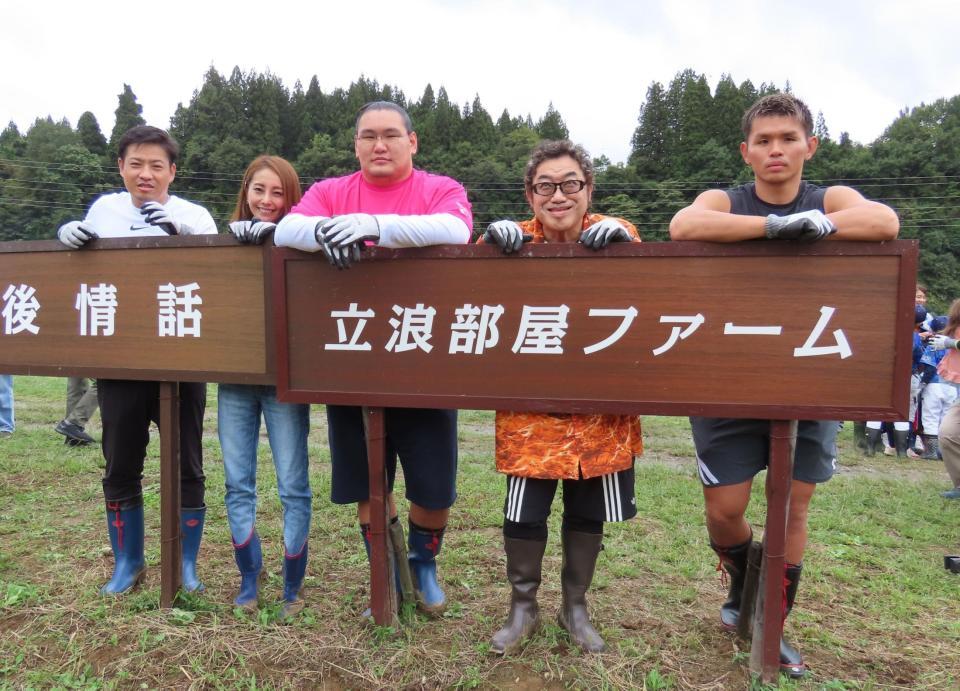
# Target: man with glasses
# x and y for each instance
(389, 203)
(592, 455)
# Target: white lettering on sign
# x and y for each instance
(468, 335)
(97, 306)
(177, 314)
(352, 312)
(413, 330)
(20, 307)
(542, 330)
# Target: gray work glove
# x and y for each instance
(507, 235)
(349, 229)
(253, 232)
(75, 234)
(156, 215)
(805, 226)
(941, 342)
(602, 233)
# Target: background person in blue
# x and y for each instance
(903, 429)
(937, 394)
(7, 422)
(778, 205)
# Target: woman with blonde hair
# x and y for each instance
(269, 190)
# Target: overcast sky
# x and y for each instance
(859, 62)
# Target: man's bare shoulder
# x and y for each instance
(712, 200)
(840, 197)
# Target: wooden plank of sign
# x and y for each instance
(233, 345)
(869, 285)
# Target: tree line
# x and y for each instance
(686, 140)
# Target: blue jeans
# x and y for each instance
(6, 403)
(238, 418)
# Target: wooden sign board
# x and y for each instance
(172, 309)
(770, 330)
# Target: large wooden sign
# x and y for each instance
(761, 329)
(155, 308)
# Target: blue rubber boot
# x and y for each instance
(191, 532)
(125, 526)
(250, 562)
(294, 569)
(424, 546)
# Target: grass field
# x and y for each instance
(876, 609)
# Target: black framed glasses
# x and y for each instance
(548, 189)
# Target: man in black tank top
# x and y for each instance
(777, 205)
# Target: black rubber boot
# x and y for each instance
(791, 661)
(873, 441)
(733, 561)
(524, 562)
(860, 435)
(580, 551)
(901, 442)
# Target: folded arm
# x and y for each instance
(857, 218)
(709, 219)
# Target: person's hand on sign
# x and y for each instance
(349, 229)
(75, 234)
(507, 235)
(252, 232)
(156, 215)
(602, 233)
(805, 226)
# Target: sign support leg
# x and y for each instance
(169, 493)
(768, 613)
(383, 598)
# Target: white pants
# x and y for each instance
(937, 399)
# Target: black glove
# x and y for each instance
(156, 215)
(507, 235)
(253, 232)
(602, 233)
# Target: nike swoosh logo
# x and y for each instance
(136, 227)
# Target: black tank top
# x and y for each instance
(745, 202)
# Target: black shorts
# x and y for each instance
(425, 440)
(731, 450)
(607, 498)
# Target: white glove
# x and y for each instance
(941, 342)
(75, 234)
(349, 229)
(252, 232)
(805, 226)
(156, 215)
(602, 233)
(507, 235)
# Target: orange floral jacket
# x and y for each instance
(566, 446)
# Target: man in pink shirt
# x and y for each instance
(391, 204)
